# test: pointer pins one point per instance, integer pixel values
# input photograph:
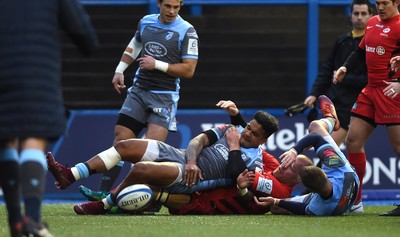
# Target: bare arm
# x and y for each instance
(192, 171)
(185, 69)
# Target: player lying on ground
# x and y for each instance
(275, 181)
(203, 165)
(334, 187)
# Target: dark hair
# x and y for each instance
(313, 178)
(268, 122)
(363, 2)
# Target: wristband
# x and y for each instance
(161, 66)
(276, 202)
(121, 67)
(294, 150)
(395, 79)
(242, 192)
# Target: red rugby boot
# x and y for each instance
(90, 208)
(328, 110)
(61, 173)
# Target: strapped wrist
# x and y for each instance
(242, 192)
(161, 66)
(121, 67)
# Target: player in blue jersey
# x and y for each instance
(166, 47)
(334, 187)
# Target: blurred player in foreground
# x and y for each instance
(31, 103)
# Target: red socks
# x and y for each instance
(358, 161)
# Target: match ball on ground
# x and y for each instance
(135, 197)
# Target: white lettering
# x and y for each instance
(388, 172)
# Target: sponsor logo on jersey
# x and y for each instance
(155, 49)
(369, 27)
(192, 34)
(264, 185)
(169, 35)
(222, 150)
(193, 47)
(380, 50)
(386, 30)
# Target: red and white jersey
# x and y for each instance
(266, 184)
(381, 42)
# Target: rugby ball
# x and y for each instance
(135, 197)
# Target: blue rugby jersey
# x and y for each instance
(169, 43)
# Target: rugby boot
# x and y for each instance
(328, 110)
(394, 212)
(90, 208)
(32, 229)
(61, 173)
(16, 229)
(92, 195)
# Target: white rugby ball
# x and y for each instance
(135, 197)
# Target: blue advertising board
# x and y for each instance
(91, 132)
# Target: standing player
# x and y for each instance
(333, 188)
(377, 102)
(31, 103)
(168, 48)
(345, 94)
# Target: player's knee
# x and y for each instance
(123, 146)
(313, 126)
(141, 173)
(353, 145)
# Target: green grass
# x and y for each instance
(64, 222)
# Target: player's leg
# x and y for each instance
(120, 133)
(10, 184)
(131, 150)
(33, 170)
(162, 174)
(358, 133)
(393, 132)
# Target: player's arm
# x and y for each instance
(128, 57)
(192, 171)
(284, 206)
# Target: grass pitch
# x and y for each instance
(64, 222)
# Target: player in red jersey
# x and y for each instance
(377, 103)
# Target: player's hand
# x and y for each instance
(228, 106)
(392, 90)
(192, 173)
(264, 201)
(147, 63)
(245, 179)
(395, 63)
(339, 75)
(309, 101)
(288, 157)
(118, 81)
(233, 138)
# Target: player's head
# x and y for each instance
(361, 12)
(314, 178)
(169, 10)
(387, 8)
(291, 174)
(258, 129)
